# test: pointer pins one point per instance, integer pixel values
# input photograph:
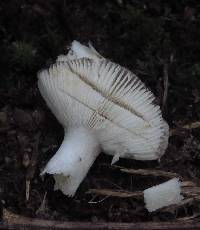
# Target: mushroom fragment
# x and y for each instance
(162, 195)
(102, 106)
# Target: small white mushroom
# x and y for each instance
(163, 195)
(102, 106)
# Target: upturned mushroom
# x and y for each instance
(102, 106)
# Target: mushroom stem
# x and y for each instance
(73, 159)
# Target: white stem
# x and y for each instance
(73, 159)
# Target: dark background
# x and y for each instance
(154, 39)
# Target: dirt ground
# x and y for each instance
(158, 40)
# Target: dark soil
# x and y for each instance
(151, 38)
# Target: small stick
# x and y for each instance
(116, 193)
(188, 217)
(147, 172)
(180, 204)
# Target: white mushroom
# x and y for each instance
(102, 106)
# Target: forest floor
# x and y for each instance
(157, 40)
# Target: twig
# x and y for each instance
(116, 193)
(188, 217)
(190, 192)
(148, 172)
(31, 169)
(188, 189)
(180, 204)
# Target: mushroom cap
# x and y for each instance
(96, 93)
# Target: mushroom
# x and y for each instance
(102, 107)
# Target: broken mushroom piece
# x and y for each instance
(102, 107)
(77, 50)
(162, 195)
